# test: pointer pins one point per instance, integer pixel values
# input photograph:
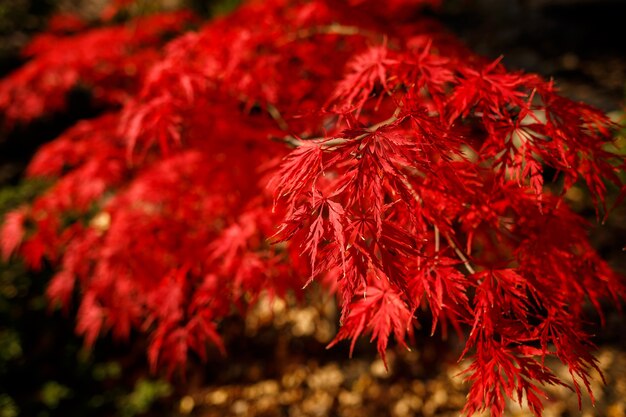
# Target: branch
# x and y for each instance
(460, 254)
(327, 144)
(280, 121)
(332, 29)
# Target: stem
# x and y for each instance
(327, 144)
(460, 254)
(453, 245)
(273, 111)
(332, 29)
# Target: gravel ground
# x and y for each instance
(279, 367)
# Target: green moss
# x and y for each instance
(146, 393)
(52, 393)
(26, 191)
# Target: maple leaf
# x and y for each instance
(380, 311)
(499, 371)
(364, 73)
(12, 232)
(488, 91)
(61, 287)
(91, 317)
(298, 171)
(444, 288)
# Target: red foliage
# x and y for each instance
(292, 141)
(109, 60)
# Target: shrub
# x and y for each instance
(354, 143)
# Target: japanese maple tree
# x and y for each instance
(354, 143)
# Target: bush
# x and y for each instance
(356, 144)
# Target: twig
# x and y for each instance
(453, 245)
(460, 254)
(273, 111)
(332, 29)
(334, 142)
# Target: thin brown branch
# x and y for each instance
(327, 144)
(460, 254)
(273, 111)
(332, 29)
